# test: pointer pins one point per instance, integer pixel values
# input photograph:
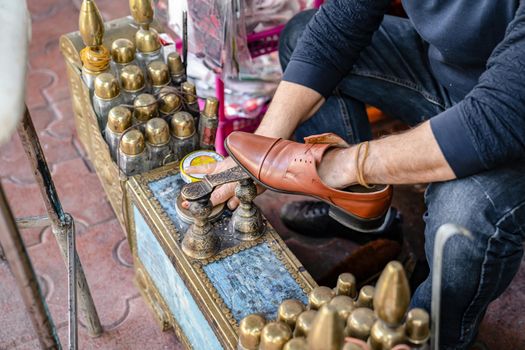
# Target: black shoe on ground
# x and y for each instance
(312, 218)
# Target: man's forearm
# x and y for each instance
(292, 104)
(407, 158)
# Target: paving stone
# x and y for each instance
(37, 82)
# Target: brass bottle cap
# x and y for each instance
(91, 24)
(145, 107)
(157, 132)
(304, 323)
(132, 143)
(158, 73)
(289, 310)
(383, 337)
(418, 326)
(344, 306)
(132, 78)
(250, 330)
(211, 108)
(274, 335)
(190, 92)
(320, 296)
(360, 323)
(182, 125)
(142, 11)
(106, 86)
(327, 331)
(175, 64)
(392, 294)
(346, 285)
(147, 40)
(366, 297)
(170, 100)
(296, 344)
(122, 51)
(119, 119)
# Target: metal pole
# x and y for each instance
(72, 280)
(25, 277)
(59, 222)
(445, 232)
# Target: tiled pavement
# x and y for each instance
(102, 247)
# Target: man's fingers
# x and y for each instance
(233, 203)
(222, 193)
(202, 169)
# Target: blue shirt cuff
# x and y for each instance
(316, 78)
(455, 143)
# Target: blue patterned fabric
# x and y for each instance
(166, 191)
(172, 288)
(253, 281)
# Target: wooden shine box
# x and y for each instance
(203, 300)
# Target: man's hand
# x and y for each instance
(224, 193)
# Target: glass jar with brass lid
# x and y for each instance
(177, 71)
(158, 143)
(133, 158)
(145, 108)
(133, 83)
(159, 76)
(184, 138)
(122, 55)
(170, 102)
(190, 97)
(119, 120)
(149, 48)
(208, 123)
(107, 95)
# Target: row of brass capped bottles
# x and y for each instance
(162, 135)
(376, 318)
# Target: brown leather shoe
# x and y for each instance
(291, 167)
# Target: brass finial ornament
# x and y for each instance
(122, 51)
(106, 86)
(170, 101)
(182, 125)
(250, 329)
(132, 143)
(91, 24)
(304, 323)
(392, 294)
(360, 323)
(119, 119)
(145, 108)
(346, 285)
(147, 40)
(157, 132)
(366, 297)
(289, 311)
(296, 344)
(344, 305)
(320, 296)
(142, 12)
(200, 242)
(95, 57)
(274, 336)
(327, 331)
(418, 326)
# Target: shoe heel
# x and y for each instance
(372, 226)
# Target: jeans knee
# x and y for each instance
(291, 34)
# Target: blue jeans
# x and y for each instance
(394, 75)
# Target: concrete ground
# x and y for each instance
(102, 247)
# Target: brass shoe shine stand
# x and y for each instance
(225, 282)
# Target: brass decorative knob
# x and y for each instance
(327, 331)
(157, 132)
(190, 92)
(132, 78)
(211, 108)
(366, 297)
(123, 51)
(132, 143)
(250, 330)
(418, 326)
(289, 311)
(175, 64)
(274, 335)
(170, 100)
(344, 305)
(304, 323)
(106, 86)
(145, 107)
(147, 40)
(383, 337)
(320, 296)
(296, 344)
(360, 323)
(158, 73)
(346, 285)
(182, 125)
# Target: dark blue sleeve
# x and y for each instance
(487, 128)
(332, 42)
